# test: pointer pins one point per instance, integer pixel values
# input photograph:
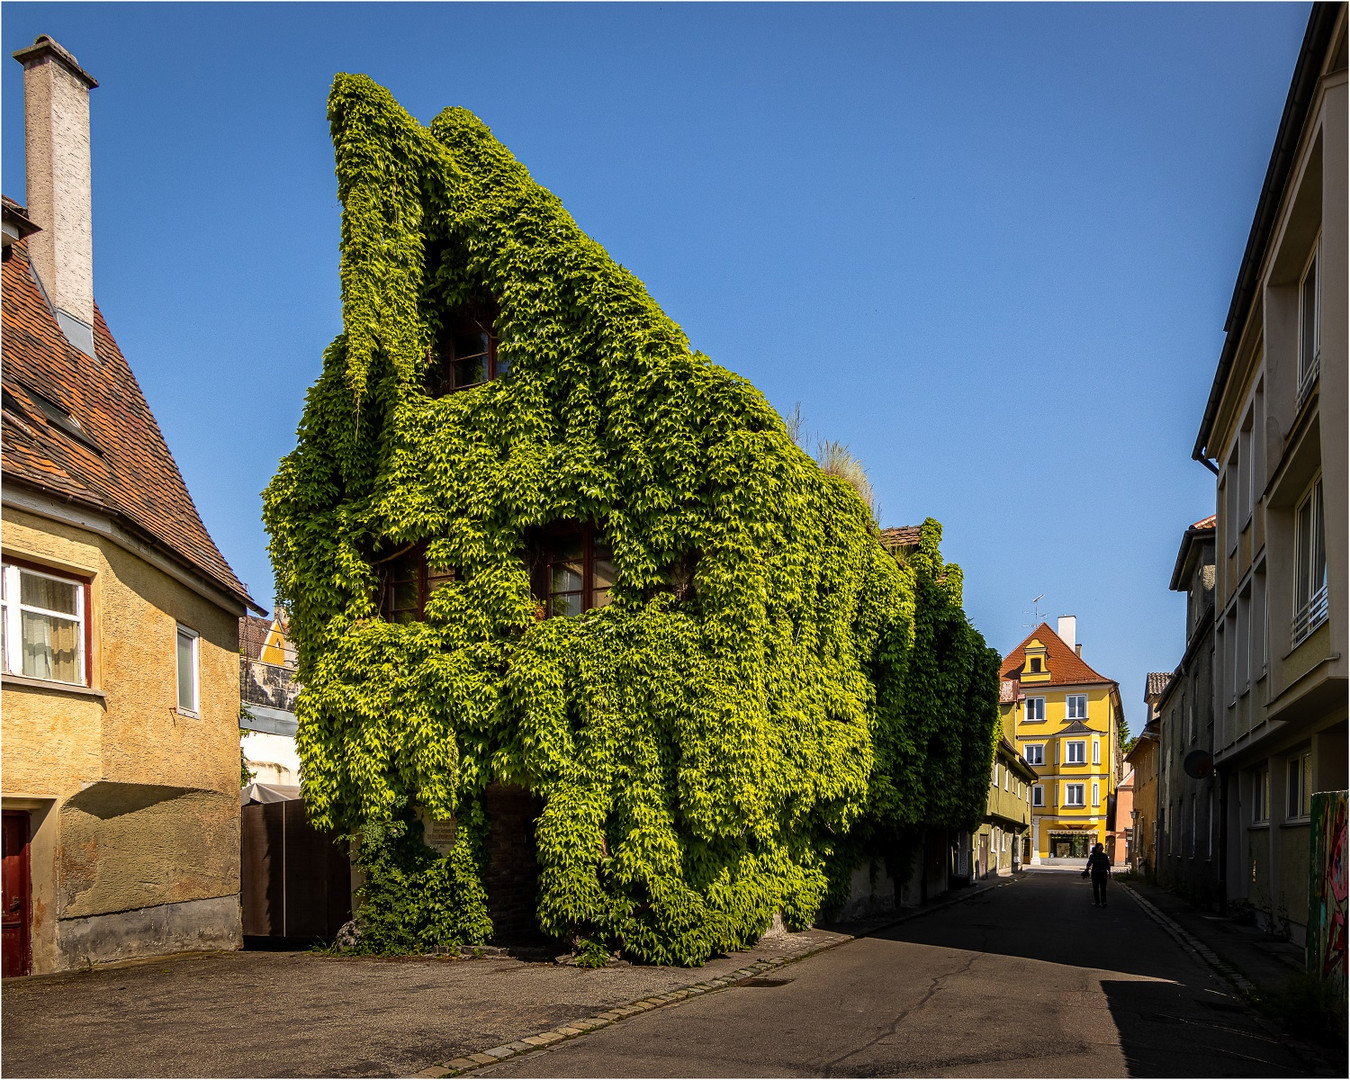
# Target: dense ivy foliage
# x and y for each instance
(703, 755)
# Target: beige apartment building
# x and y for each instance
(120, 782)
(1274, 431)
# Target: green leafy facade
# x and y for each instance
(768, 696)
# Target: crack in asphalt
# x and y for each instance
(934, 986)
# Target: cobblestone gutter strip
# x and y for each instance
(574, 1028)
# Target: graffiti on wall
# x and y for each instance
(1327, 889)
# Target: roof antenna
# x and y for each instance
(1037, 615)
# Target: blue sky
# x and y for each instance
(989, 247)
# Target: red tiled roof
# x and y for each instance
(1156, 684)
(1066, 666)
(900, 536)
(128, 472)
(1206, 523)
(253, 633)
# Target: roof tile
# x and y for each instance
(1066, 666)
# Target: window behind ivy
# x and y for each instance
(573, 569)
(406, 582)
(465, 355)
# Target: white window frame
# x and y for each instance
(1069, 790)
(1309, 337)
(1072, 757)
(1096, 793)
(191, 635)
(1096, 751)
(1037, 794)
(12, 613)
(1038, 758)
(1035, 705)
(1007, 779)
(1079, 700)
(1310, 586)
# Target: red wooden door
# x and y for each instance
(14, 947)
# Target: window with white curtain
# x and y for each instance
(44, 625)
(188, 679)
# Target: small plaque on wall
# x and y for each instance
(438, 835)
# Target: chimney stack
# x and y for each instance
(1068, 630)
(56, 149)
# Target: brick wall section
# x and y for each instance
(512, 877)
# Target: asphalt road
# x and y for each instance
(1025, 980)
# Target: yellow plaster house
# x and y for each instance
(120, 782)
(1067, 719)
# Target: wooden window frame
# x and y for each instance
(593, 540)
(422, 577)
(441, 375)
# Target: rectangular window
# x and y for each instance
(1300, 785)
(466, 355)
(1231, 485)
(1076, 706)
(406, 583)
(1096, 751)
(187, 670)
(44, 625)
(1309, 330)
(1035, 709)
(1035, 754)
(1037, 795)
(1260, 794)
(1075, 751)
(1007, 779)
(1096, 793)
(1246, 471)
(1310, 564)
(575, 571)
(1073, 795)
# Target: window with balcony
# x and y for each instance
(44, 624)
(1309, 330)
(1310, 564)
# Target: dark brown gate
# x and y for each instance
(295, 880)
(512, 875)
(15, 947)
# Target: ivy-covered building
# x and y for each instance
(571, 604)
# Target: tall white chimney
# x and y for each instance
(1068, 630)
(56, 149)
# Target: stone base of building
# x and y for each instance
(194, 925)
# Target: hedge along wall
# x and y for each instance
(701, 757)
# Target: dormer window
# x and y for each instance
(465, 356)
(406, 582)
(1035, 665)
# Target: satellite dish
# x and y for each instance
(1198, 764)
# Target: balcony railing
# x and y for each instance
(1310, 615)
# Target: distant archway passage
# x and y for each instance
(512, 876)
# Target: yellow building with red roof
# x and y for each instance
(1067, 720)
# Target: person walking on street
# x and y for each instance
(1099, 867)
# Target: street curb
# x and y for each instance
(574, 1029)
